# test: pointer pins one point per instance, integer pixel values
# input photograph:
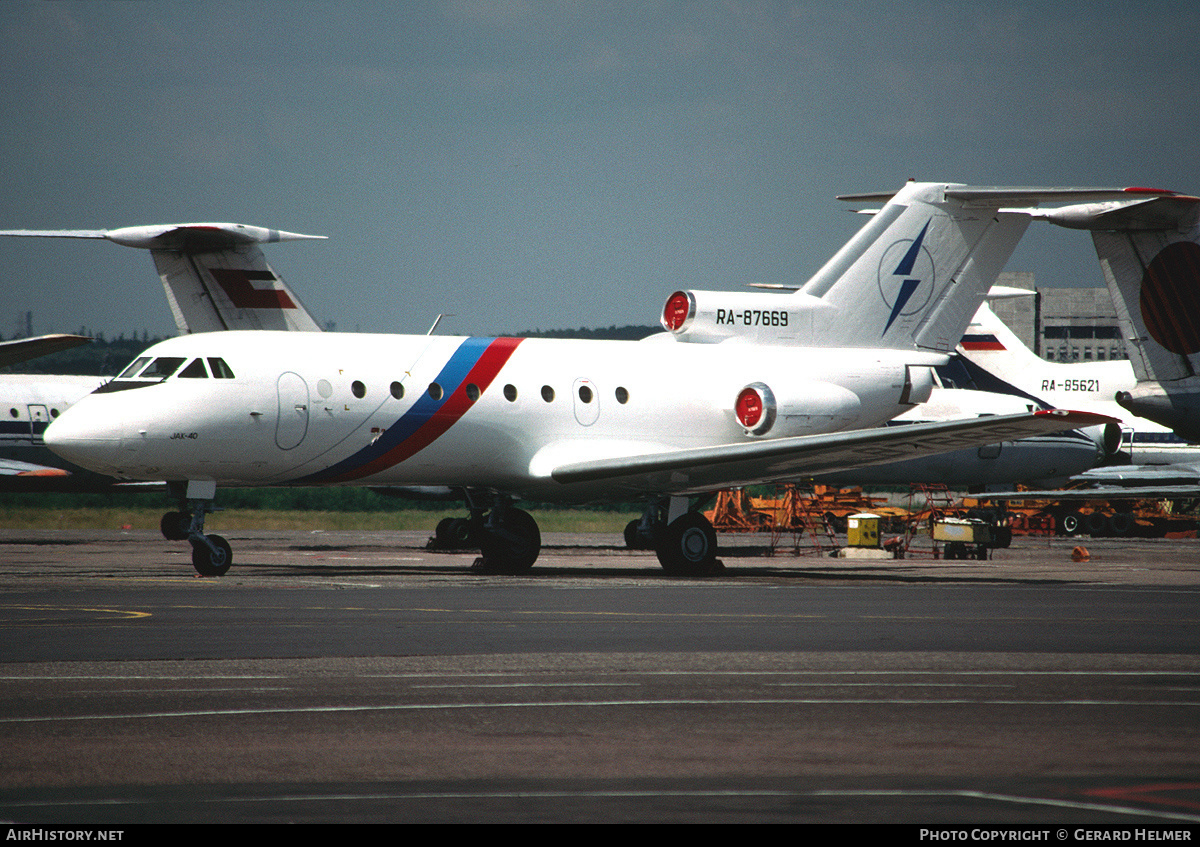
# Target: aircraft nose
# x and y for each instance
(87, 440)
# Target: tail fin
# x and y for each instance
(1154, 278)
(989, 341)
(994, 359)
(214, 274)
(926, 260)
(1149, 250)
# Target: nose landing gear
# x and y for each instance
(211, 554)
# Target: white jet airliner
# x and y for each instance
(742, 388)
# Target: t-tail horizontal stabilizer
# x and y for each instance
(214, 274)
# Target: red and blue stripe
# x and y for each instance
(477, 361)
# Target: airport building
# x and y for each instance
(1062, 324)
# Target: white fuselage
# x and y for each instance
(499, 414)
(30, 403)
(1090, 387)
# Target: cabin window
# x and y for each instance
(510, 393)
(472, 392)
(435, 391)
(14, 413)
(219, 369)
(194, 371)
(358, 389)
(133, 368)
(398, 390)
(622, 395)
(585, 394)
(547, 394)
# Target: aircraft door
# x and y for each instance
(292, 422)
(39, 419)
(587, 401)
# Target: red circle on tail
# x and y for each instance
(1170, 297)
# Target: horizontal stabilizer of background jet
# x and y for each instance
(24, 349)
(215, 276)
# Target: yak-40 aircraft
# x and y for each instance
(743, 388)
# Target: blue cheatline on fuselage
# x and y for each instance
(477, 361)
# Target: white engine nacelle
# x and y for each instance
(801, 409)
(708, 317)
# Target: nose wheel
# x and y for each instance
(211, 555)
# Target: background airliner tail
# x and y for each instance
(996, 360)
(1149, 251)
(215, 274)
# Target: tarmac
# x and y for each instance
(359, 677)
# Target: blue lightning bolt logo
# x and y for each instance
(907, 286)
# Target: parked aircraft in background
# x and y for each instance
(996, 361)
(743, 388)
(23, 349)
(214, 274)
(215, 277)
(1044, 460)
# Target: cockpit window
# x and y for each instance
(143, 375)
(136, 366)
(162, 367)
(219, 369)
(194, 371)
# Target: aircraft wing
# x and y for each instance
(1179, 473)
(11, 467)
(788, 459)
(24, 349)
(30, 478)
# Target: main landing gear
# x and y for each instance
(507, 538)
(509, 541)
(211, 554)
(687, 546)
(685, 541)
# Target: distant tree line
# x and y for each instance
(612, 333)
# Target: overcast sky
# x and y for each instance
(553, 164)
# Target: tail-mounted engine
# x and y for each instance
(708, 317)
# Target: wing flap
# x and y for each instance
(790, 459)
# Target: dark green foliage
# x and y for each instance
(613, 333)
